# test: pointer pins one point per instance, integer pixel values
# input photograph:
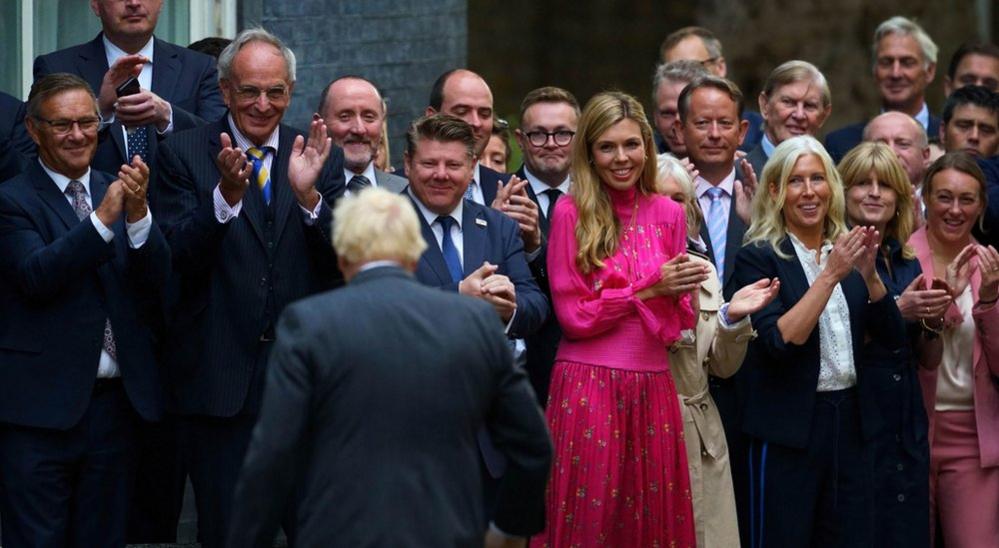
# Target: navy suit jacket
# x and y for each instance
(14, 139)
(781, 378)
(185, 78)
(990, 221)
(232, 280)
(361, 388)
(487, 235)
(487, 181)
(543, 344)
(839, 142)
(60, 282)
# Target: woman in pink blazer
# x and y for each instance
(962, 394)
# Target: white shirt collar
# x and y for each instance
(430, 216)
(63, 181)
(243, 142)
(539, 186)
(923, 116)
(476, 174)
(768, 146)
(377, 264)
(727, 184)
(369, 173)
(114, 52)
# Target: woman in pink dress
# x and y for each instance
(621, 287)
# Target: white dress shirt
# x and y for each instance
(113, 52)
(138, 233)
(476, 186)
(539, 187)
(836, 368)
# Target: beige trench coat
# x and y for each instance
(719, 351)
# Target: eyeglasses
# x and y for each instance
(540, 138)
(63, 127)
(249, 94)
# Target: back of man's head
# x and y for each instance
(376, 225)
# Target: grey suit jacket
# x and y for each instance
(390, 181)
(378, 390)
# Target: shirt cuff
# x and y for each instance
(510, 323)
(310, 217)
(223, 211)
(138, 232)
(726, 322)
(104, 231)
(500, 532)
(169, 129)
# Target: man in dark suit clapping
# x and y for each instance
(246, 212)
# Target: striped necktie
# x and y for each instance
(260, 173)
(717, 229)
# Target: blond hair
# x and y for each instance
(598, 228)
(671, 168)
(768, 225)
(376, 225)
(879, 159)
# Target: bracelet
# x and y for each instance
(936, 331)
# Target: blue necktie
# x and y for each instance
(449, 251)
(717, 229)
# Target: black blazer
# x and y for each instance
(542, 345)
(487, 181)
(232, 280)
(185, 78)
(487, 235)
(781, 378)
(14, 139)
(362, 392)
(839, 142)
(60, 282)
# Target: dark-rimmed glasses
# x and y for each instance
(63, 126)
(561, 137)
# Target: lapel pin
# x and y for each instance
(480, 222)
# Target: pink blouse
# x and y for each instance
(603, 322)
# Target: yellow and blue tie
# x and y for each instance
(259, 173)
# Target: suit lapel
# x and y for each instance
(166, 68)
(281, 191)
(473, 235)
(544, 221)
(49, 193)
(432, 259)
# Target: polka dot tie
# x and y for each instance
(138, 143)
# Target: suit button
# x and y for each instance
(705, 316)
(900, 497)
(263, 281)
(703, 406)
(900, 467)
(896, 377)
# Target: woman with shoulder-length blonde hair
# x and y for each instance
(878, 194)
(716, 346)
(620, 284)
(804, 410)
(961, 395)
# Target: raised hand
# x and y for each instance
(234, 171)
(988, 266)
(125, 67)
(306, 163)
(752, 298)
(112, 205)
(472, 284)
(866, 261)
(135, 183)
(744, 192)
(845, 254)
(689, 166)
(521, 208)
(680, 275)
(917, 302)
(958, 273)
(143, 108)
(503, 192)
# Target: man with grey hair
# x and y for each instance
(175, 87)
(904, 64)
(667, 83)
(245, 206)
(795, 101)
(354, 112)
(367, 359)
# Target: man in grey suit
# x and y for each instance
(355, 119)
(374, 396)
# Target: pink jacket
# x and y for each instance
(986, 359)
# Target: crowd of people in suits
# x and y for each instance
(696, 327)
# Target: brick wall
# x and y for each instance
(401, 45)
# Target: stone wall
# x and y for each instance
(401, 45)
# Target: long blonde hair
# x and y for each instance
(598, 228)
(768, 203)
(878, 158)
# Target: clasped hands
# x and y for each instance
(495, 289)
(127, 194)
(304, 166)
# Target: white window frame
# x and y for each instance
(207, 18)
